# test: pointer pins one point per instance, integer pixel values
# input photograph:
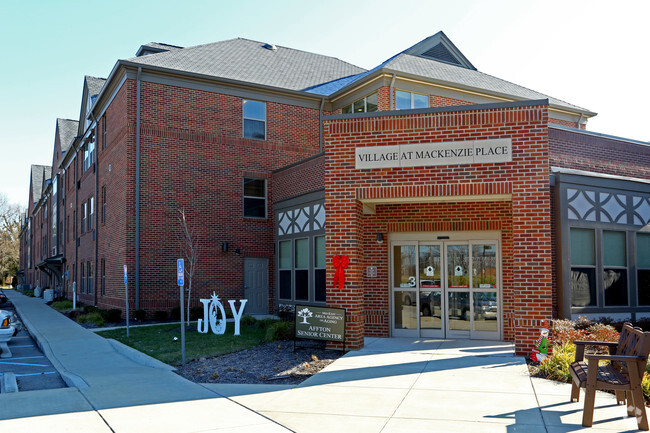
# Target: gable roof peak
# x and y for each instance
(440, 48)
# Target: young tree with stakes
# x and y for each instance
(190, 246)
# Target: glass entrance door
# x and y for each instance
(446, 289)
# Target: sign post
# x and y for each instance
(180, 276)
(126, 294)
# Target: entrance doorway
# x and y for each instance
(446, 286)
(256, 285)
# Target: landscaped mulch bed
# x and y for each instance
(270, 363)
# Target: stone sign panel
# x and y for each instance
(428, 154)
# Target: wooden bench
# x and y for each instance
(623, 374)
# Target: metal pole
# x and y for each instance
(126, 295)
(126, 289)
(182, 327)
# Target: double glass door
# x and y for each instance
(446, 289)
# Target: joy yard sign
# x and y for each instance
(428, 154)
(212, 308)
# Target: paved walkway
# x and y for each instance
(113, 392)
(392, 385)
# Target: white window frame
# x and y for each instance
(244, 118)
(91, 212)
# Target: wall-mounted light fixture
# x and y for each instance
(224, 247)
(380, 238)
(237, 251)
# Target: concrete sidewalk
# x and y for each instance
(110, 391)
(391, 385)
(405, 385)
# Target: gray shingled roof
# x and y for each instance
(248, 61)
(467, 78)
(94, 85)
(67, 130)
(161, 46)
(40, 173)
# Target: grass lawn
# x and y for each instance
(158, 341)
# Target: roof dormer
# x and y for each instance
(438, 47)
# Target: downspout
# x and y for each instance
(76, 227)
(96, 225)
(390, 90)
(320, 125)
(580, 120)
(137, 191)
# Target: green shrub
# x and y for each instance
(645, 386)
(159, 316)
(29, 293)
(279, 331)
(248, 321)
(62, 305)
(556, 366)
(114, 315)
(95, 318)
(265, 323)
(140, 315)
(90, 309)
(176, 313)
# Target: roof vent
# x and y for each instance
(270, 47)
(440, 52)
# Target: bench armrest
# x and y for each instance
(590, 357)
(581, 344)
(595, 343)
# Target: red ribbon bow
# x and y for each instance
(340, 264)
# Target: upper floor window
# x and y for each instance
(407, 100)
(91, 212)
(84, 217)
(89, 154)
(104, 204)
(643, 267)
(367, 104)
(105, 132)
(255, 198)
(254, 119)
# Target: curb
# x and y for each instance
(9, 383)
(70, 379)
(138, 357)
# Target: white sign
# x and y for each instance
(427, 154)
(458, 271)
(214, 315)
(429, 271)
(180, 271)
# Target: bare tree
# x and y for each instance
(9, 237)
(190, 246)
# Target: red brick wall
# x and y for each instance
(598, 154)
(567, 123)
(525, 178)
(442, 101)
(193, 157)
(116, 172)
(299, 179)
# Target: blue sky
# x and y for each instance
(592, 54)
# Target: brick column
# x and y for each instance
(344, 237)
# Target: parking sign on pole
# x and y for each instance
(180, 277)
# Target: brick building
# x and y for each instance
(467, 206)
